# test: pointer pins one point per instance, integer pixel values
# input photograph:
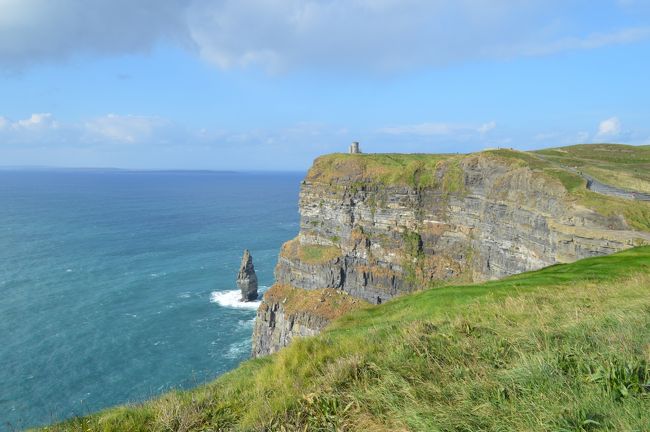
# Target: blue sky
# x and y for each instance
(272, 84)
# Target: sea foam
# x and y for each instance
(231, 299)
(238, 349)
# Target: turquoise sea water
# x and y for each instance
(117, 286)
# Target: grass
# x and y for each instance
(566, 348)
(310, 254)
(636, 213)
(569, 180)
(325, 303)
(415, 170)
(624, 166)
(618, 165)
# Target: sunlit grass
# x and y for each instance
(415, 170)
(618, 165)
(624, 166)
(310, 254)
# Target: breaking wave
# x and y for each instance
(231, 299)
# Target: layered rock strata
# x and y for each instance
(246, 278)
(287, 312)
(375, 227)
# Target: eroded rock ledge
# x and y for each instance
(376, 226)
(289, 312)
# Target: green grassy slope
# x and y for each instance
(565, 348)
(614, 164)
(415, 169)
(620, 165)
(624, 166)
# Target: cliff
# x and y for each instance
(377, 226)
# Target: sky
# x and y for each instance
(272, 84)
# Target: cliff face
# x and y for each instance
(287, 312)
(376, 226)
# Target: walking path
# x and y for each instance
(602, 188)
(605, 189)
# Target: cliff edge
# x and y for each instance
(374, 226)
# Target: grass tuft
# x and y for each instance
(310, 254)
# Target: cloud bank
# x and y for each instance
(44, 129)
(35, 31)
(122, 140)
(609, 130)
(279, 35)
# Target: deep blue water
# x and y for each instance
(106, 281)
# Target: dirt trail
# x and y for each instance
(602, 188)
(605, 189)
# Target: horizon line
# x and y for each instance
(152, 170)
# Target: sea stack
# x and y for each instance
(247, 279)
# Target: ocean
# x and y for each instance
(116, 286)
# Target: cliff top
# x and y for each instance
(624, 166)
(385, 168)
(555, 349)
(573, 168)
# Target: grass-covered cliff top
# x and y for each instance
(327, 303)
(619, 160)
(618, 165)
(566, 348)
(383, 168)
(623, 166)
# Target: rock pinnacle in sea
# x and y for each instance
(247, 279)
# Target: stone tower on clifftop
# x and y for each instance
(354, 148)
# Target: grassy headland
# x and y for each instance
(617, 165)
(416, 170)
(566, 348)
(624, 166)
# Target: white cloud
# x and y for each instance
(487, 127)
(573, 43)
(282, 34)
(125, 128)
(387, 34)
(36, 130)
(40, 120)
(33, 31)
(37, 121)
(609, 128)
(139, 141)
(42, 128)
(440, 129)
